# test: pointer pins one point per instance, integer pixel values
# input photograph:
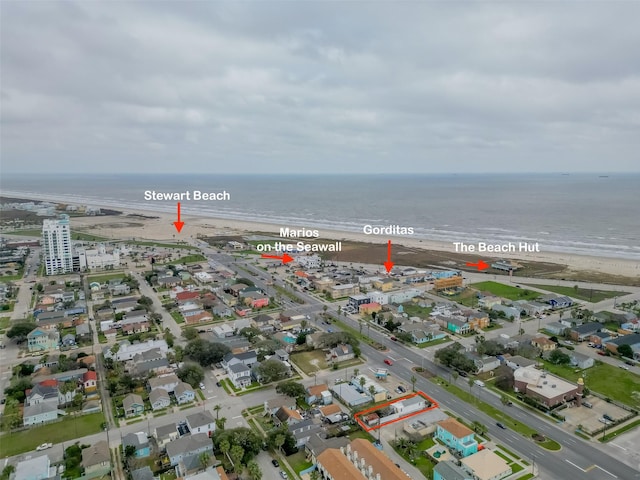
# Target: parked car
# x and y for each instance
(600, 352)
(218, 384)
(401, 389)
(607, 417)
(394, 338)
(388, 362)
(202, 387)
(275, 463)
(623, 366)
(283, 474)
(499, 425)
(44, 446)
(587, 404)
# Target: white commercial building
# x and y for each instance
(98, 258)
(379, 297)
(56, 246)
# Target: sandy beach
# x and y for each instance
(133, 224)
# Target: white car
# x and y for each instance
(44, 446)
(623, 366)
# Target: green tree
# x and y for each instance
(217, 408)
(220, 422)
(189, 333)
(191, 373)
(224, 447)
(8, 470)
(271, 370)
(204, 352)
(20, 330)
(625, 350)
(129, 451)
(314, 475)
(291, 389)
(169, 338)
(479, 428)
(362, 382)
(557, 357)
(255, 472)
(413, 383)
(204, 460)
(237, 454)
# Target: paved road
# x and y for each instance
(575, 455)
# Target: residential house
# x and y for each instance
(255, 299)
(341, 353)
(560, 302)
(133, 405)
(478, 320)
(159, 399)
(286, 416)
(36, 468)
(489, 301)
(143, 473)
(273, 405)
(239, 374)
(600, 338)
(517, 361)
(96, 459)
(383, 284)
(201, 422)
(165, 434)
(369, 308)
(248, 358)
(584, 331)
(364, 384)
(486, 465)
(303, 430)
(127, 350)
(46, 391)
(40, 340)
(344, 290)
(83, 331)
(263, 321)
(580, 360)
(633, 340)
(456, 436)
(90, 381)
(167, 383)
(188, 446)
(544, 344)
(555, 328)
(485, 363)
(316, 394)
(236, 289)
(68, 340)
(40, 413)
(511, 313)
(448, 470)
(281, 355)
(184, 393)
(139, 441)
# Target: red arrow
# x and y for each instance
(481, 265)
(388, 264)
(179, 224)
(285, 258)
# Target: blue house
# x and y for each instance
(139, 441)
(456, 436)
(560, 302)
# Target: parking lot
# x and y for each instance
(590, 418)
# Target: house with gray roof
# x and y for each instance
(184, 393)
(40, 413)
(139, 441)
(201, 422)
(189, 445)
(159, 399)
(133, 405)
(96, 459)
(165, 434)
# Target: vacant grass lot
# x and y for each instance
(586, 294)
(601, 378)
(298, 461)
(414, 310)
(309, 362)
(106, 278)
(63, 431)
(506, 291)
(196, 257)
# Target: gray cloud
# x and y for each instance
(320, 87)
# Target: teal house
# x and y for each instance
(457, 436)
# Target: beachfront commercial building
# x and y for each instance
(56, 246)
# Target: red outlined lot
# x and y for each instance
(357, 416)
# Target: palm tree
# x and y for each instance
(217, 409)
(224, 447)
(314, 475)
(204, 460)
(372, 391)
(362, 382)
(279, 441)
(255, 473)
(356, 372)
(237, 453)
(470, 382)
(413, 383)
(479, 428)
(360, 324)
(220, 422)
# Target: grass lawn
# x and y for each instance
(177, 316)
(63, 431)
(421, 463)
(303, 361)
(196, 257)
(433, 342)
(586, 294)
(106, 278)
(162, 245)
(88, 237)
(425, 444)
(600, 378)
(528, 476)
(467, 297)
(620, 431)
(414, 310)
(31, 232)
(495, 413)
(506, 291)
(4, 322)
(360, 434)
(298, 461)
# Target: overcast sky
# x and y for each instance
(298, 87)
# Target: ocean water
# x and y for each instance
(589, 214)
